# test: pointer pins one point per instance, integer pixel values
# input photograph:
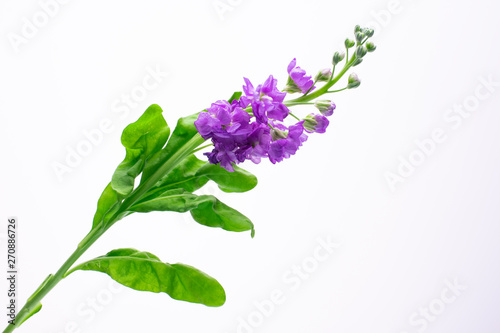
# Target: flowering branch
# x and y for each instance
(250, 125)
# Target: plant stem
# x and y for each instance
(97, 232)
(333, 72)
(186, 150)
(205, 146)
(325, 88)
(290, 103)
(38, 296)
(291, 114)
(334, 91)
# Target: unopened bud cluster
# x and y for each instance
(361, 47)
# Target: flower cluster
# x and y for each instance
(238, 137)
(253, 127)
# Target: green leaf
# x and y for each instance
(214, 213)
(141, 140)
(192, 174)
(184, 176)
(176, 200)
(183, 132)
(205, 209)
(31, 312)
(107, 203)
(44, 283)
(144, 271)
(238, 181)
(38, 306)
(236, 95)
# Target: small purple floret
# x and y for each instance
(299, 77)
(266, 100)
(284, 148)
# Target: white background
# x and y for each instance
(399, 245)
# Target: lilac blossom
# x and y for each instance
(266, 100)
(285, 147)
(297, 79)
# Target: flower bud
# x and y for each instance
(349, 43)
(370, 47)
(357, 61)
(369, 32)
(353, 81)
(315, 123)
(357, 28)
(277, 134)
(359, 37)
(361, 51)
(324, 75)
(326, 107)
(338, 57)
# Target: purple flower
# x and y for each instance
(297, 79)
(228, 125)
(266, 100)
(223, 121)
(284, 148)
(238, 137)
(315, 123)
(223, 156)
(257, 146)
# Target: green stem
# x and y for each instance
(291, 114)
(186, 150)
(203, 147)
(325, 88)
(54, 280)
(290, 103)
(333, 72)
(334, 91)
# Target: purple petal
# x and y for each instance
(291, 65)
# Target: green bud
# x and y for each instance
(353, 81)
(361, 51)
(324, 75)
(326, 107)
(357, 28)
(338, 57)
(359, 37)
(349, 43)
(357, 62)
(369, 32)
(277, 134)
(310, 123)
(370, 47)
